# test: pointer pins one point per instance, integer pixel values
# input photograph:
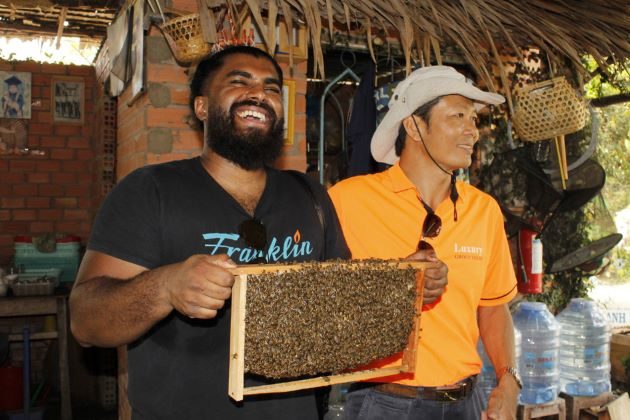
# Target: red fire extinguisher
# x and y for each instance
(530, 264)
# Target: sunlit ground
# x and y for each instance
(72, 50)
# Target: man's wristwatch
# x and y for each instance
(511, 370)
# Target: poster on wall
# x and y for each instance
(68, 97)
(137, 51)
(15, 94)
(13, 136)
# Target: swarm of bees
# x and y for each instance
(326, 319)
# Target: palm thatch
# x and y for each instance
(480, 28)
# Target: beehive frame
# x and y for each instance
(236, 387)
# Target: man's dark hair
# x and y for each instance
(423, 112)
(208, 66)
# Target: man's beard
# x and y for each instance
(250, 148)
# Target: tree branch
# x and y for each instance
(610, 100)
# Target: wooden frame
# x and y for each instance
(68, 100)
(236, 388)
(288, 104)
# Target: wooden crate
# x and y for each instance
(555, 408)
(619, 350)
(237, 339)
(577, 405)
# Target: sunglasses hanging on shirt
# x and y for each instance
(254, 234)
(430, 227)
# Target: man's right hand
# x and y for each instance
(435, 277)
(199, 286)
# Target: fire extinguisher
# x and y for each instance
(530, 264)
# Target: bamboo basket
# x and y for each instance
(548, 109)
(184, 37)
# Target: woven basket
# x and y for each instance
(548, 109)
(184, 36)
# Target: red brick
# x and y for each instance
(28, 66)
(75, 215)
(41, 117)
(188, 139)
(24, 190)
(15, 228)
(40, 80)
(78, 190)
(19, 165)
(81, 71)
(67, 202)
(166, 73)
(85, 154)
(38, 177)
(180, 95)
(49, 166)
(4, 165)
(38, 203)
(24, 215)
(50, 214)
(168, 117)
(78, 143)
(41, 227)
(53, 142)
(5, 190)
(39, 128)
(5, 215)
(55, 69)
(67, 130)
(62, 154)
(12, 202)
(51, 190)
(68, 227)
(63, 178)
(76, 166)
(13, 177)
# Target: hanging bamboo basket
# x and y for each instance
(184, 37)
(548, 109)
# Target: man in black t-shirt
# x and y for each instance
(156, 273)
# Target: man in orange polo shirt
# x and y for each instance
(427, 135)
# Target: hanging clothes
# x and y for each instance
(362, 126)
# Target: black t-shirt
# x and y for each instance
(163, 214)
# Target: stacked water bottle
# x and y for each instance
(569, 353)
(584, 349)
(539, 364)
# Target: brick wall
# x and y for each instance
(49, 193)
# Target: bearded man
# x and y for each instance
(156, 273)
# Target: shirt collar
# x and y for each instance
(400, 182)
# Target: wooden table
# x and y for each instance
(55, 304)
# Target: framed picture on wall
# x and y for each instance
(15, 94)
(68, 100)
(137, 51)
(288, 100)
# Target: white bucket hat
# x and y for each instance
(421, 86)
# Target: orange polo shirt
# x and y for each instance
(381, 217)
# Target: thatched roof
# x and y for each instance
(481, 29)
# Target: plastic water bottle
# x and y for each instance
(336, 401)
(584, 349)
(540, 340)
